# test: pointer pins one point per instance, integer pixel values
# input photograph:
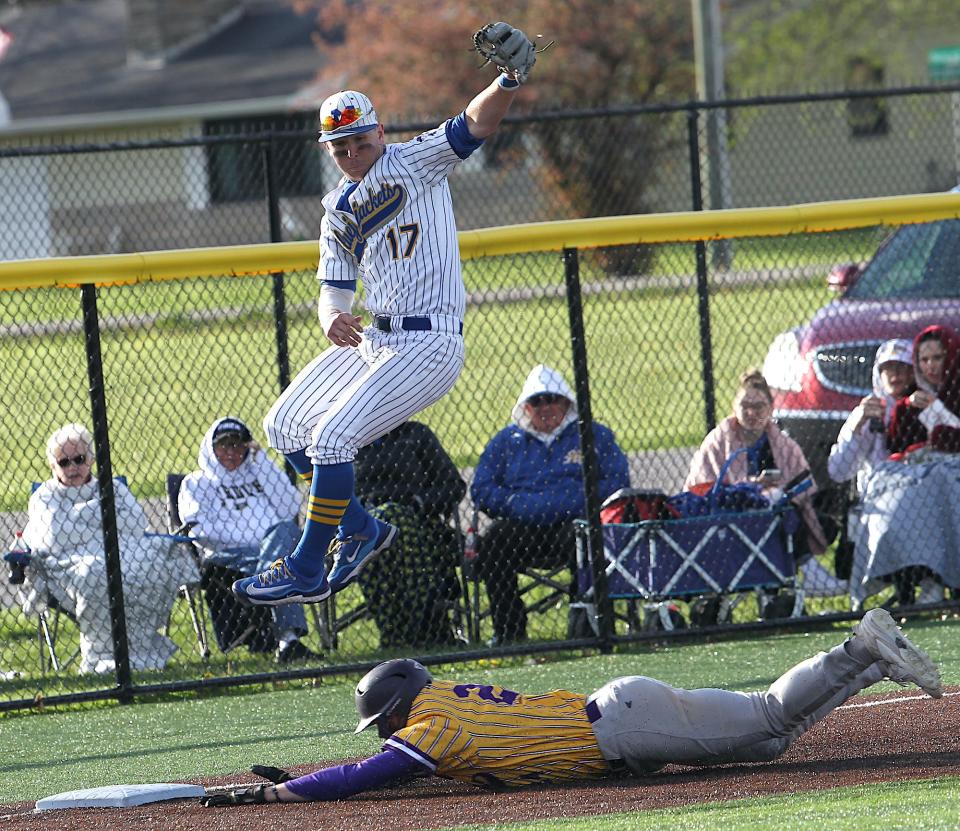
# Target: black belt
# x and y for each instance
(415, 323)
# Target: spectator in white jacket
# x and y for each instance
(243, 510)
(65, 534)
(862, 441)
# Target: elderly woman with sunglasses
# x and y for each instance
(68, 564)
(529, 480)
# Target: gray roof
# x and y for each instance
(70, 59)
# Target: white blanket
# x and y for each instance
(152, 570)
(909, 516)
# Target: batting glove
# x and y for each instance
(275, 775)
(238, 796)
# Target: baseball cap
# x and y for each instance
(897, 349)
(346, 113)
(231, 427)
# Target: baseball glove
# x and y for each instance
(509, 48)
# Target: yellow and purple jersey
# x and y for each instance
(488, 735)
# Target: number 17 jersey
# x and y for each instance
(488, 735)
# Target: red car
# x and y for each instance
(821, 370)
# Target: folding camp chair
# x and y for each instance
(327, 621)
(235, 624)
(51, 618)
(415, 593)
(725, 555)
(49, 621)
(540, 588)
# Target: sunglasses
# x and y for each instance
(340, 118)
(544, 398)
(73, 460)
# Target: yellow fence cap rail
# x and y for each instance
(113, 269)
(686, 226)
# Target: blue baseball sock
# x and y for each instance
(301, 463)
(331, 493)
(355, 518)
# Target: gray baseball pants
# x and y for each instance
(646, 724)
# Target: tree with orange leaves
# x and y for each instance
(415, 60)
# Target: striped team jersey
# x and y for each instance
(488, 735)
(395, 229)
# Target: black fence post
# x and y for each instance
(591, 467)
(108, 515)
(279, 296)
(703, 288)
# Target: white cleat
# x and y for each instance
(906, 663)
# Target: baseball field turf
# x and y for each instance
(198, 738)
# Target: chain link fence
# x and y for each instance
(235, 183)
(667, 331)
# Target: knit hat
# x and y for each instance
(231, 428)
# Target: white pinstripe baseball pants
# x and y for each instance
(348, 397)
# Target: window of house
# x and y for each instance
(236, 169)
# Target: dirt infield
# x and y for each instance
(860, 743)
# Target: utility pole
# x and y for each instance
(708, 55)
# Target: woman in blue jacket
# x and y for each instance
(529, 481)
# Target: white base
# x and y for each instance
(118, 796)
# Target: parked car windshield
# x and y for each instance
(916, 261)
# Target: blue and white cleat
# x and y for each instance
(352, 554)
(278, 586)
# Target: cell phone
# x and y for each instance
(796, 480)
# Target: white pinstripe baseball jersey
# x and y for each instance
(395, 230)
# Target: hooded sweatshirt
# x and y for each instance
(235, 509)
(857, 451)
(938, 424)
(536, 478)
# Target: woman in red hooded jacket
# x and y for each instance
(931, 415)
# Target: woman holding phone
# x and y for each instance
(773, 460)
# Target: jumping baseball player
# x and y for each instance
(495, 737)
(390, 223)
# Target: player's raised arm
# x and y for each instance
(512, 51)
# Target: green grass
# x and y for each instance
(167, 382)
(187, 352)
(192, 736)
(644, 360)
(169, 377)
(358, 643)
(929, 805)
(21, 649)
